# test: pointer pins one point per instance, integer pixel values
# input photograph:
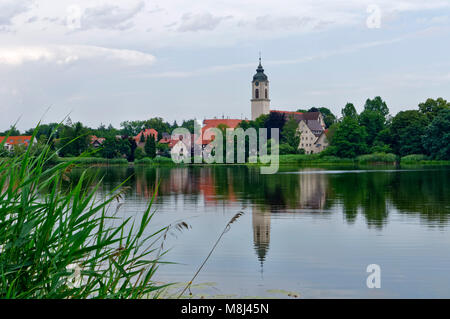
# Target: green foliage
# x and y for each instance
(114, 147)
(328, 117)
(285, 148)
(432, 107)
(376, 158)
(150, 147)
(407, 131)
(349, 110)
(139, 153)
(159, 160)
(74, 139)
(13, 131)
(413, 158)
(379, 147)
(437, 136)
(349, 139)
(374, 122)
(312, 158)
(131, 128)
(60, 243)
(290, 134)
(377, 105)
(275, 120)
(158, 124)
(92, 160)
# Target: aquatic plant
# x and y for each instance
(63, 242)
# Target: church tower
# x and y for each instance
(260, 93)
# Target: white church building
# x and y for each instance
(311, 126)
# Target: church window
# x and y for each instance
(266, 94)
(257, 93)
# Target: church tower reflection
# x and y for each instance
(261, 233)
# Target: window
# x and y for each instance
(257, 93)
(266, 94)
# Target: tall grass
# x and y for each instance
(61, 242)
(93, 160)
(377, 158)
(413, 158)
(160, 160)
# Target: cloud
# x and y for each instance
(268, 22)
(200, 22)
(67, 54)
(110, 16)
(11, 8)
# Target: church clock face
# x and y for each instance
(256, 83)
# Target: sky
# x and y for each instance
(103, 62)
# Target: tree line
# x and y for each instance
(424, 130)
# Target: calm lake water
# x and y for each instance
(308, 231)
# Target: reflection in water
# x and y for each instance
(261, 233)
(371, 194)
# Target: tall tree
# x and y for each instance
(328, 117)
(377, 105)
(437, 136)
(374, 122)
(432, 107)
(407, 131)
(349, 139)
(289, 134)
(74, 139)
(150, 147)
(349, 111)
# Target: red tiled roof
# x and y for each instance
(213, 123)
(16, 140)
(147, 132)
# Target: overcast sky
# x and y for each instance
(110, 61)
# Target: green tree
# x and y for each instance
(158, 124)
(150, 147)
(189, 124)
(349, 111)
(328, 117)
(437, 136)
(377, 105)
(374, 122)
(131, 128)
(11, 132)
(163, 148)
(116, 148)
(432, 107)
(349, 139)
(290, 135)
(407, 130)
(74, 139)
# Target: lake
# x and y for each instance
(310, 232)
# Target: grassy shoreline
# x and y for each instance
(292, 159)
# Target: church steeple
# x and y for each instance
(260, 92)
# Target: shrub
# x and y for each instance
(93, 160)
(377, 158)
(413, 158)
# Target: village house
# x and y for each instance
(140, 141)
(96, 142)
(14, 141)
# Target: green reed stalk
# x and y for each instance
(57, 240)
